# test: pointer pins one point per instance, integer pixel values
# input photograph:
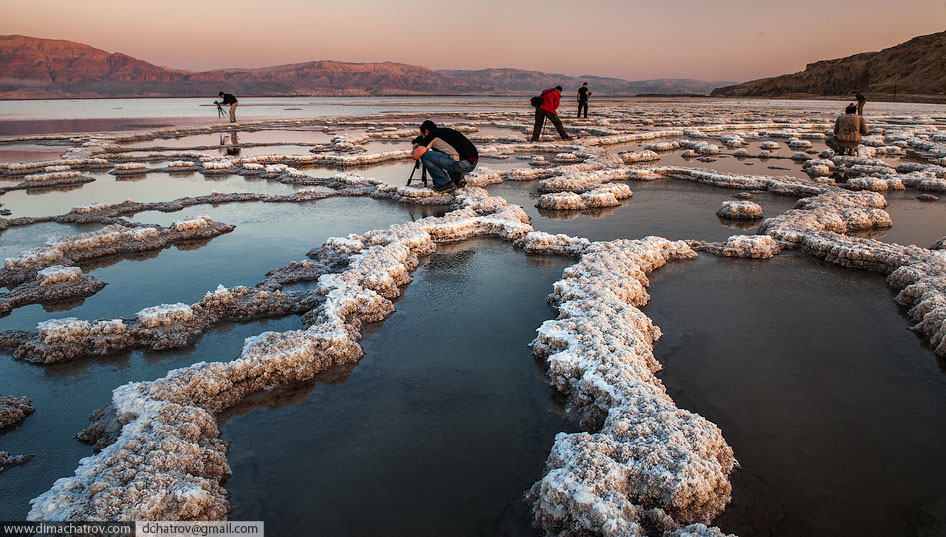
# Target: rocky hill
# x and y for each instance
(916, 67)
(44, 68)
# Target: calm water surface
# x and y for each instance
(833, 408)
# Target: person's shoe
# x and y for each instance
(460, 183)
(446, 187)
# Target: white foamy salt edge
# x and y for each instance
(740, 210)
(649, 465)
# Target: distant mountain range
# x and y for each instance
(914, 68)
(44, 68)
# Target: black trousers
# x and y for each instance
(582, 104)
(540, 116)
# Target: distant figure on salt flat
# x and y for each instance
(860, 102)
(550, 99)
(232, 101)
(583, 95)
(848, 129)
(446, 155)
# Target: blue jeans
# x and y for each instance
(443, 169)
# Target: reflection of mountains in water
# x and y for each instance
(54, 68)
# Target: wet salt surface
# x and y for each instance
(16, 240)
(438, 430)
(65, 395)
(151, 187)
(261, 242)
(670, 208)
(833, 408)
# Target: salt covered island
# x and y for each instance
(120, 218)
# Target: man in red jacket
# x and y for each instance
(550, 99)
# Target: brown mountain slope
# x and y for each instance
(916, 67)
(49, 60)
(43, 68)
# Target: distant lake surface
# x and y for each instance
(97, 115)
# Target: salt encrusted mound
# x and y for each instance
(932, 184)
(639, 156)
(9, 461)
(752, 246)
(607, 195)
(836, 210)
(51, 285)
(875, 184)
(13, 410)
(649, 466)
(51, 180)
(114, 239)
(166, 460)
(545, 243)
(698, 530)
(740, 210)
(939, 245)
(160, 327)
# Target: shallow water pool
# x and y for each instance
(832, 407)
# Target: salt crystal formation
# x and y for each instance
(51, 179)
(13, 410)
(648, 466)
(836, 211)
(112, 240)
(750, 246)
(52, 284)
(740, 210)
(606, 195)
(160, 327)
(9, 461)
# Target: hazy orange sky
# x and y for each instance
(710, 39)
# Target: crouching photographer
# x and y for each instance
(446, 155)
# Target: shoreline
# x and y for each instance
(877, 97)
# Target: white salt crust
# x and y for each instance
(648, 466)
(740, 210)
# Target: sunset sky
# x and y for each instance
(733, 40)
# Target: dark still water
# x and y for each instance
(438, 430)
(833, 408)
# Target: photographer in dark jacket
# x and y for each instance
(446, 155)
(232, 101)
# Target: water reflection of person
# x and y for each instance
(233, 147)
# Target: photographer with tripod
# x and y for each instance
(227, 99)
(446, 154)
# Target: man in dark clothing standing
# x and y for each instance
(550, 99)
(231, 100)
(860, 102)
(583, 95)
(446, 155)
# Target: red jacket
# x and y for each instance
(550, 100)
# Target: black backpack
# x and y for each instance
(537, 101)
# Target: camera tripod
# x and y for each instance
(423, 173)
